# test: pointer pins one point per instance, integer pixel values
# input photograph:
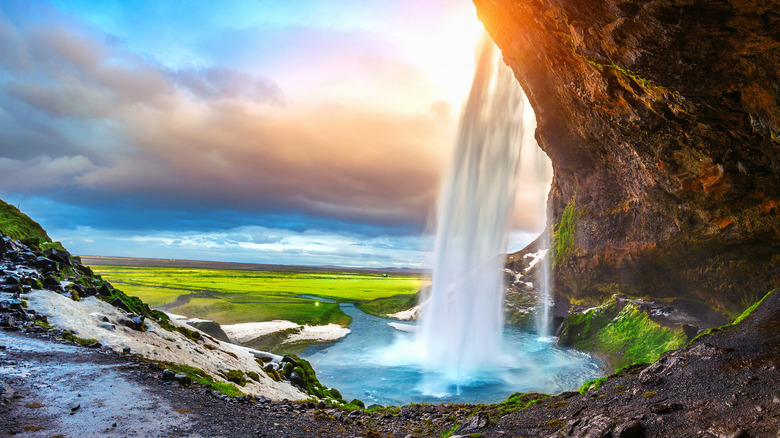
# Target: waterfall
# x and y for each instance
(462, 322)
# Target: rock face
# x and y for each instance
(662, 120)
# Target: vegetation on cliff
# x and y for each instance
(19, 226)
(563, 235)
(621, 334)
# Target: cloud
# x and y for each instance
(226, 83)
(211, 137)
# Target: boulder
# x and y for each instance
(59, 256)
(105, 290)
(183, 379)
(45, 264)
(50, 282)
(119, 304)
(168, 376)
(474, 424)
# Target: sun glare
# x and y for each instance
(447, 53)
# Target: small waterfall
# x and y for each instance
(545, 300)
(462, 322)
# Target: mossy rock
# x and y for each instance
(236, 376)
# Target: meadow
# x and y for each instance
(236, 296)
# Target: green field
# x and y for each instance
(235, 296)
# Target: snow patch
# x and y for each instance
(85, 319)
(537, 257)
(323, 333)
(406, 315)
(250, 330)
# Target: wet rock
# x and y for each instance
(50, 282)
(119, 304)
(107, 326)
(297, 379)
(288, 359)
(726, 431)
(45, 264)
(59, 256)
(168, 376)
(183, 379)
(135, 323)
(126, 350)
(473, 424)
(689, 331)
(105, 290)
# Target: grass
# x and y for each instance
(233, 296)
(385, 306)
(151, 295)
(19, 226)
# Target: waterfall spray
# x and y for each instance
(462, 322)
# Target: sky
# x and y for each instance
(307, 132)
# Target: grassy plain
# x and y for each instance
(235, 296)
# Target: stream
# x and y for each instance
(378, 364)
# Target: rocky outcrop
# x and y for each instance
(662, 120)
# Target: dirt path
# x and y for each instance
(50, 389)
(58, 389)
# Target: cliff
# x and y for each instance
(662, 120)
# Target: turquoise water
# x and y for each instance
(379, 364)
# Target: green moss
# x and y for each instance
(253, 375)
(47, 245)
(750, 309)
(592, 384)
(450, 432)
(519, 401)
(649, 394)
(563, 234)
(738, 319)
(236, 376)
(632, 338)
(70, 337)
(200, 376)
(582, 326)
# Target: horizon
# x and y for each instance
(305, 133)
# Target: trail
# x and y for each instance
(72, 391)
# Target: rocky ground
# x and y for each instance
(724, 385)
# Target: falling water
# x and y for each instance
(462, 322)
(455, 352)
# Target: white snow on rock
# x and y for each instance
(537, 257)
(247, 331)
(320, 333)
(87, 319)
(250, 330)
(406, 315)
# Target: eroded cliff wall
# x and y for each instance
(662, 119)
